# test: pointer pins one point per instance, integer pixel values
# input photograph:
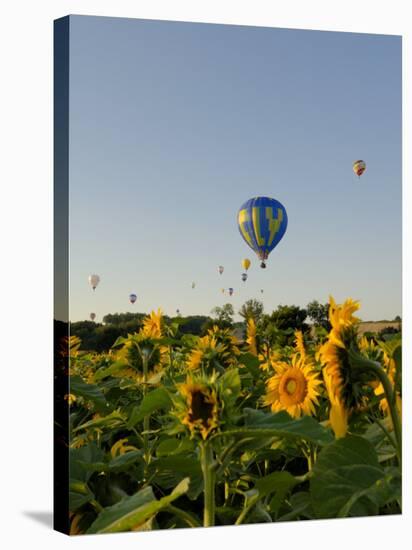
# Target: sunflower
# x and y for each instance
(70, 398)
(200, 413)
(137, 352)
(268, 357)
(294, 388)
(343, 390)
(251, 336)
(121, 447)
(224, 336)
(152, 325)
(299, 344)
(206, 352)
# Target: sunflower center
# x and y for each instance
(292, 387)
(201, 409)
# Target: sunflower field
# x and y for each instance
(172, 430)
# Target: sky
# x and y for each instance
(173, 126)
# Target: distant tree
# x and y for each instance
(121, 318)
(251, 309)
(279, 327)
(223, 314)
(398, 320)
(319, 314)
(193, 324)
(289, 317)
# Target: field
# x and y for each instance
(377, 326)
(170, 429)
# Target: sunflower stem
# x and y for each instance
(208, 470)
(391, 398)
(146, 419)
(376, 369)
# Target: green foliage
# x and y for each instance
(134, 511)
(158, 441)
(222, 317)
(319, 314)
(348, 480)
(251, 309)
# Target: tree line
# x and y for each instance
(278, 325)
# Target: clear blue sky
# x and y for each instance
(174, 125)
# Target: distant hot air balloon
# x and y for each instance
(244, 277)
(132, 298)
(92, 316)
(193, 284)
(246, 264)
(230, 291)
(262, 223)
(359, 166)
(221, 269)
(94, 281)
(261, 290)
(178, 311)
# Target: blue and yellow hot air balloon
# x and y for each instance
(262, 223)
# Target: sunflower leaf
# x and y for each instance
(349, 481)
(284, 425)
(153, 401)
(90, 392)
(135, 510)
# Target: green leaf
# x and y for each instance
(251, 362)
(102, 373)
(279, 483)
(153, 401)
(282, 425)
(79, 494)
(346, 479)
(112, 420)
(135, 510)
(384, 491)
(124, 461)
(300, 506)
(174, 446)
(90, 392)
(88, 454)
(168, 470)
(230, 386)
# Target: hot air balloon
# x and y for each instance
(359, 166)
(221, 269)
(261, 290)
(262, 223)
(244, 277)
(193, 284)
(94, 281)
(246, 264)
(132, 298)
(230, 291)
(178, 311)
(92, 316)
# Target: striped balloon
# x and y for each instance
(262, 223)
(359, 166)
